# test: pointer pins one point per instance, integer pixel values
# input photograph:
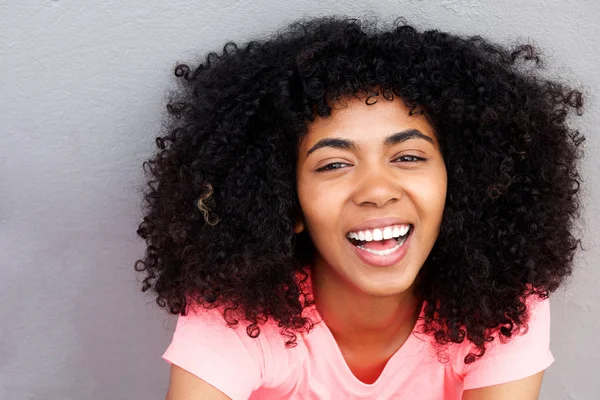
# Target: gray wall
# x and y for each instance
(82, 88)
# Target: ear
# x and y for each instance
(298, 225)
(298, 216)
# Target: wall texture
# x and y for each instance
(82, 87)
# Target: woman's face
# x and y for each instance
(365, 173)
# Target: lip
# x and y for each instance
(387, 260)
(378, 223)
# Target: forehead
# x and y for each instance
(355, 120)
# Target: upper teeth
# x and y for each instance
(388, 232)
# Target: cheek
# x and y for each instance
(429, 195)
(320, 205)
(323, 204)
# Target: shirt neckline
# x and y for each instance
(402, 360)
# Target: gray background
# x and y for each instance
(82, 87)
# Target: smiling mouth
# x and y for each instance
(365, 240)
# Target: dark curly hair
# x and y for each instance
(222, 200)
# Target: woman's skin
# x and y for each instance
(370, 310)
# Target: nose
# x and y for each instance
(376, 188)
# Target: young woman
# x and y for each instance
(342, 211)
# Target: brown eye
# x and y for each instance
(410, 159)
(332, 166)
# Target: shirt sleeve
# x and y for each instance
(523, 355)
(226, 358)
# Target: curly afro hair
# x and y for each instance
(221, 200)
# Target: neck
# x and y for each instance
(358, 320)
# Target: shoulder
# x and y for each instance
(526, 353)
(227, 357)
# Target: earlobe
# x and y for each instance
(298, 216)
(298, 226)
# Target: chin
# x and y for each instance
(385, 285)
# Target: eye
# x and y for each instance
(409, 159)
(332, 166)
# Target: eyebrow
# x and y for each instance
(393, 139)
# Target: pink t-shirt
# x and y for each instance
(263, 368)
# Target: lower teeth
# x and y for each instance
(386, 251)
